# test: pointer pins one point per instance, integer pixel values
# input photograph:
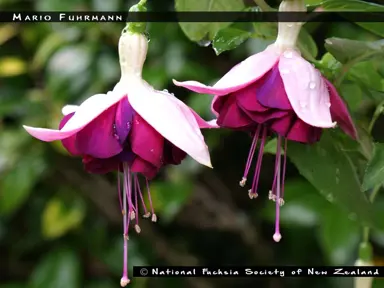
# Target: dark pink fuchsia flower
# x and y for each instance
(276, 91)
(133, 129)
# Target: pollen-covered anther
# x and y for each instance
(252, 195)
(124, 281)
(281, 201)
(147, 215)
(243, 182)
(132, 215)
(154, 218)
(123, 212)
(126, 237)
(272, 196)
(138, 229)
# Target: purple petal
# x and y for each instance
(339, 112)
(123, 120)
(100, 166)
(97, 139)
(172, 154)
(146, 142)
(270, 90)
(231, 116)
(147, 169)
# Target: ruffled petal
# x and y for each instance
(231, 116)
(85, 113)
(306, 90)
(141, 166)
(246, 72)
(146, 142)
(339, 112)
(98, 138)
(70, 142)
(171, 118)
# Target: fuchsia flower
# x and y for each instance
(134, 129)
(276, 91)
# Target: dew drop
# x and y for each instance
(137, 122)
(284, 71)
(330, 197)
(288, 54)
(165, 90)
(328, 104)
(204, 43)
(152, 150)
(290, 25)
(128, 125)
(312, 85)
(116, 136)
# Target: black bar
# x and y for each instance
(191, 16)
(286, 271)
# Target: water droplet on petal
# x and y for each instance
(288, 54)
(328, 104)
(152, 150)
(312, 85)
(284, 71)
(128, 125)
(165, 90)
(290, 25)
(303, 104)
(116, 136)
(137, 122)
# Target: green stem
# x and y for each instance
(372, 197)
(263, 5)
(378, 111)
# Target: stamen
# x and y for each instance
(119, 190)
(124, 279)
(277, 235)
(136, 184)
(258, 164)
(250, 156)
(154, 217)
(146, 213)
(252, 195)
(278, 152)
(284, 166)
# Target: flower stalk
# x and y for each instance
(139, 27)
(288, 32)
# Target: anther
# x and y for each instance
(147, 215)
(132, 215)
(281, 201)
(126, 237)
(138, 229)
(154, 218)
(123, 212)
(243, 182)
(124, 281)
(252, 195)
(277, 237)
(271, 196)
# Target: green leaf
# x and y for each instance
(199, 31)
(354, 5)
(271, 146)
(265, 30)
(59, 217)
(228, 39)
(304, 206)
(169, 197)
(374, 175)
(352, 94)
(353, 51)
(367, 74)
(328, 168)
(17, 184)
(60, 269)
(339, 236)
(307, 45)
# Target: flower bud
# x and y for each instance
(133, 48)
(288, 32)
(363, 282)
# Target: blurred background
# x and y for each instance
(62, 227)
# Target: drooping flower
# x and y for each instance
(133, 129)
(276, 91)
